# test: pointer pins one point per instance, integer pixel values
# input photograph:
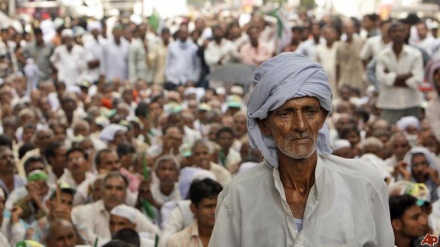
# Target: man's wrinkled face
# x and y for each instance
(295, 126)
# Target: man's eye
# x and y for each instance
(284, 114)
(311, 111)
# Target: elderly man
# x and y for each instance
(96, 216)
(300, 183)
(167, 171)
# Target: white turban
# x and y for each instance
(429, 156)
(405, 122)
(286, 76)
(109, 132)
(125, 211)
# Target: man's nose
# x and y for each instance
(299, 122)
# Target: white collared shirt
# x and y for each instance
(182, 64)
(116, 60)
(409, 61)
(372, 47)
(226, 50)
(347, 206)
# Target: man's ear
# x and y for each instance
(264, 126)
(397, 224)
(193, 208)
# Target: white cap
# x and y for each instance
(125, 211)
(407, 121)
(340, 144)
(67, 33)
(237, 90)
(109, 132)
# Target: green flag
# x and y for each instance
(148, 208)
(154, 19)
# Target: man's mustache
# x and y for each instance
(294, 137)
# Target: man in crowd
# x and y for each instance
(408, 220)
(116, 56)
(203, 195)
(399, 78)
(69, 59)
(95, 216)
(182, 65)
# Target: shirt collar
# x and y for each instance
(194, 230)
(100, 206)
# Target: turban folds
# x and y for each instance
(286, 76)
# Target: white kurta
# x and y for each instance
(95, 51)
(254, 204)
(116, 59)
(70, 65)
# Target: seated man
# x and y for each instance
(76, 172)
(95, 216)
(203, 195)
(408, 220)
(167, 171)
(33, 163)
(420, 166)
(32, 204)
(201, 158)
(12, 228)
(227, 156)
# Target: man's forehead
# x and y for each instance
(300, 102)
(412, 211)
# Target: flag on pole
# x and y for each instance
(154, 20)
(284, 34)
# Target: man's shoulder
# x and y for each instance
(180, 238)
(353, 168)
(89, 208)
(254, 175)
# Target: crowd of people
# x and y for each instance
(115, 136)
